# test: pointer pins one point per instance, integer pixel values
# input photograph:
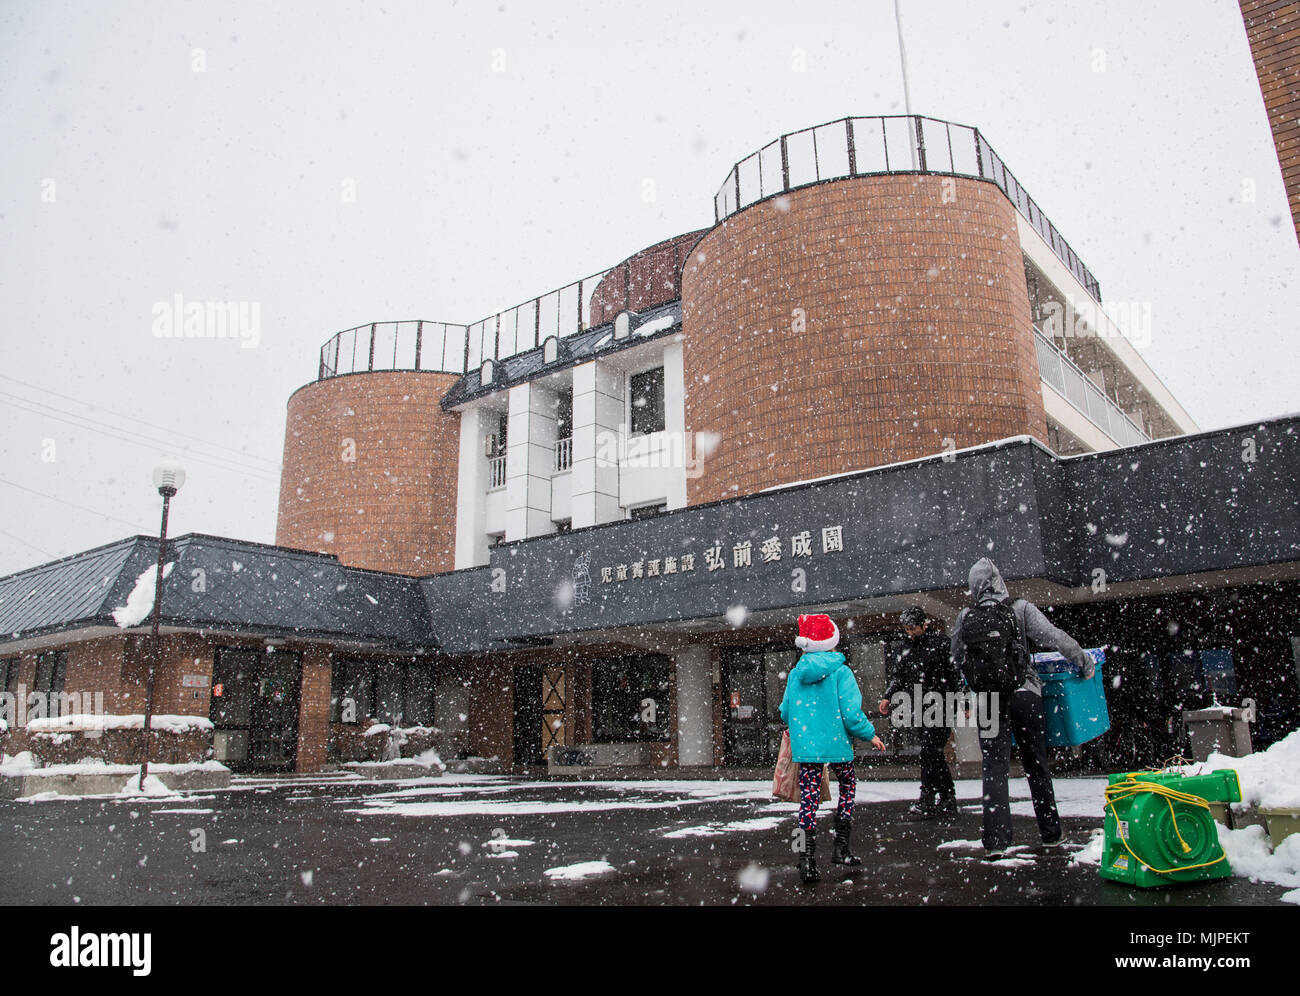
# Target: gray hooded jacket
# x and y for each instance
(986, 585)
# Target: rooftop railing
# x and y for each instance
(888, 144)
(844, 148)
(446, 347)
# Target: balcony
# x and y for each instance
(496, 473)
(1076, 387)
(563, 454)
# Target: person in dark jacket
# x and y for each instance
(922, 664)
(823, 709)
(1019, 713)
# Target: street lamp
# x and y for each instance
(167, 478)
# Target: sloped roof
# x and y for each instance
(573, 349)
(222, 584)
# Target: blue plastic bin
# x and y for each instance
(1075, 709)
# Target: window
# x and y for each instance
(51, 673)
(353, 687)
(9, 675)
(646, 390)
(395, 692)
(498, 443)
(564, 415)
(647, 511)
(563, 526)
(629, 700)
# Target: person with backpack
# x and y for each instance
(822, 708)
(922, 664)
(990, 645)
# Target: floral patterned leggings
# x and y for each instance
(810, 787)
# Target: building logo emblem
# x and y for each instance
(582, 579)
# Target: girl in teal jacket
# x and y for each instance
(823, 709)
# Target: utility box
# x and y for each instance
(1221, 729)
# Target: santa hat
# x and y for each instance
(817, 633)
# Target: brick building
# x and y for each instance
(1273, 28)
(587, 523)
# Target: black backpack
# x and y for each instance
(993, 661)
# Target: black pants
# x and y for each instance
(1021, 713)
(936, 779)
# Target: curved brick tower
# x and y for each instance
(856, 323)
(386, 500)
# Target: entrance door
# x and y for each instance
(528, 715)
(255, 709)
(745, 740)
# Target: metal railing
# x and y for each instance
(887, 144)
(496, 472)
(563, 454)
(1077, 388)
(447, 347)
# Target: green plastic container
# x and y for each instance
(1142, 830)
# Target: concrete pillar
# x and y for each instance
(471, 486)
(530, 458)
(598, 413)
(694, 706)
(675, 425)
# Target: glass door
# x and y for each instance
(255, 709)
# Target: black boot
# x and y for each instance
(946, 809)
(841, 854)
(808, 858)
(922, 809)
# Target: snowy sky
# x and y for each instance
(499, 150)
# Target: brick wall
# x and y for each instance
(651, 277)
(387, 501)
(853, 324)
(314, 708)
(1273, 27)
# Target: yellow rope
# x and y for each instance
(1132, 787)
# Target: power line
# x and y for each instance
(39, 549)
(39, 494)
(140, 421)
(148, 442)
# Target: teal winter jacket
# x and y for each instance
(823, 708)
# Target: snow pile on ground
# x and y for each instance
(1248, 853)
(583, 869)
(23, 764)
(140, 602)
(153, 787)
(1091, 852)
(431, 759)
(713, 829)
(18, 764)
(1269, 779)
(90, 722)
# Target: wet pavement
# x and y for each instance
(489, 840)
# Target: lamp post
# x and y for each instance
(167, 478)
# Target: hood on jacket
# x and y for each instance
(817, 665)
(986, 582)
